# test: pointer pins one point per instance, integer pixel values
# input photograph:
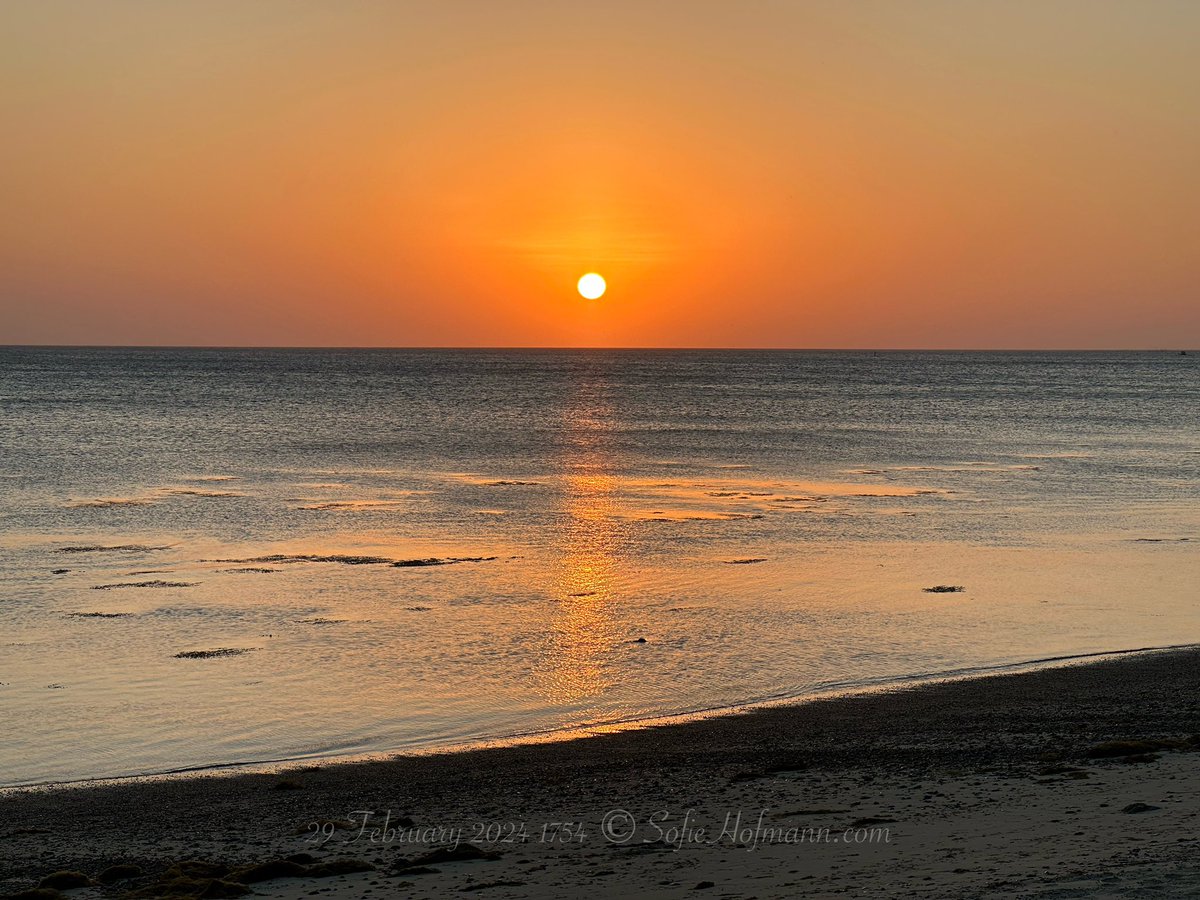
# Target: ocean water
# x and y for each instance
(587, 537)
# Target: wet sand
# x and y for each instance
(994, 786)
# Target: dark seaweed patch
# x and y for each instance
(344, 559)
(214, 653)
(193, 492)
(348, 560)
(107, 502)
(440, 561)
(145, 584)
(115, 548)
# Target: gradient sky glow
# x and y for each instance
(753, 174)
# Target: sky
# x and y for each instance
(876, 173)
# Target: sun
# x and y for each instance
(591, 286)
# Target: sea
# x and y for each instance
(218, 557)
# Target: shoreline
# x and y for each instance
(588, 730)
(971, 787)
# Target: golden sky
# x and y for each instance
(744, 174)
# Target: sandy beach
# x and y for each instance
(1008, 785)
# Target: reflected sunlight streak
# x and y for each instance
(584, 631)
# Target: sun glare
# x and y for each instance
(592, 286)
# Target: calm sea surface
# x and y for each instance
(588, 537)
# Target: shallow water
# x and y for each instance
(766, 522)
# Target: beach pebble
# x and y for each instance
(65, 881)
(1139, 808)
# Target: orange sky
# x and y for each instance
(806, 174)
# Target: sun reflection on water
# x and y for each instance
(584, 631)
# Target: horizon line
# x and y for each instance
(553, 348)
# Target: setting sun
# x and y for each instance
(592, 286)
